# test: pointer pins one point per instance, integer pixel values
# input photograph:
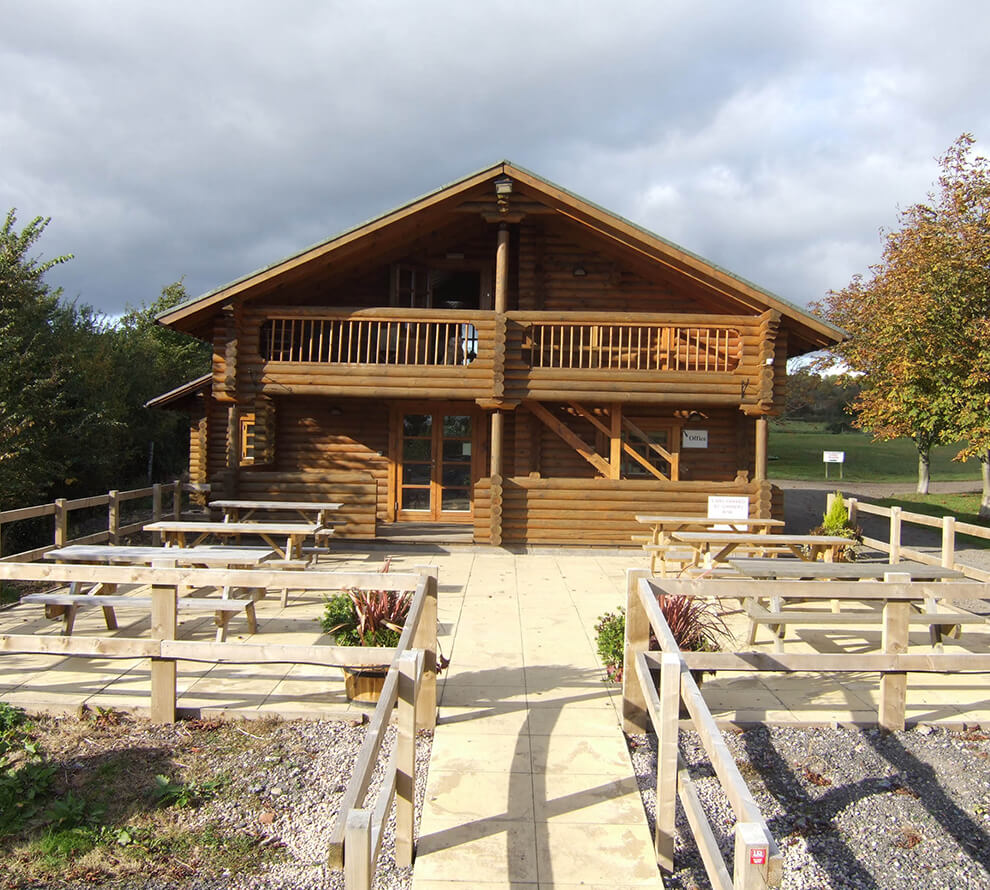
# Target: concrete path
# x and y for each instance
(530, 781)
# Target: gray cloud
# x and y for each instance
(206, 140)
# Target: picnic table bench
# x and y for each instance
(660, 546)
(713, 547)
(243, 510)
(181, 533)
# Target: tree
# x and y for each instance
(919, 322)
(33, 370)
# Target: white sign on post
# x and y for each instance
(694, 438)
(833, 457)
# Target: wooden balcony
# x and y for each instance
(549, 356)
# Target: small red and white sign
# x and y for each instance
(758, 856)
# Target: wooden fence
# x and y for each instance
(410, 682)
(113, 501)
(947, 525)
(757, 860)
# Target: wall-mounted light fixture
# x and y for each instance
(503, 188)
(336, 410)
(580, 271)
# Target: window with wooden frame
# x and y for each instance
(257, 430)
(656, 451)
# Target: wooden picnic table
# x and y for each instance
(105, 595)
(713, 547)
(179, 532)
(795, 569)
(663, 526)
(243, 510)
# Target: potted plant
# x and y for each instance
(836, 523)
(366, 618)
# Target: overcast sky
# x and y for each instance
(205, 140)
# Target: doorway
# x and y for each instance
(434, 477)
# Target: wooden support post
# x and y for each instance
(61, 523)
(177, 499)
(425, 638)
(156, 511)
(751, 868)
(762, 435)
(358, 867)
(615, 442)
(948, 541)
(635, 718)
(498, 434)
(893, 684)
(502, 269)
(895, 534)
(410, 663)
(667, 731)
(233, 449)
(163, 627)
(113, 517)
(852, 507)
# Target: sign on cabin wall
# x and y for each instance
(694, 438)
(724, 507)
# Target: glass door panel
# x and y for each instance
(434, 479)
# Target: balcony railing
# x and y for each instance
(436, 342)
(632, 347)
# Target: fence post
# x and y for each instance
(751, 867)
(667, 731)
(635, 719)
(410, 664)
(177, 499)
(425, 638)
(893, 684)
(895, 534)
(357, 850)
(852, 508)
(948, 541)
(829, 500)
(61, 523)
(113, 517)
(163, 625)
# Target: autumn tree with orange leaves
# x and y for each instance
(920, 321)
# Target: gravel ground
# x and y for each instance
(850, 809)
(286, 794)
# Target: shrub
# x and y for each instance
(610, 637)
(366, 617)
(836, 523)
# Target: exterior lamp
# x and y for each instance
(503, 188)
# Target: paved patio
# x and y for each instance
(530, 782)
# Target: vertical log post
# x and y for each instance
(156, 511)
(615, 442)
(177, 499)
(667, 731)
(948, 541)
(852, 508)
(895, 534)
(410, 665)
(762, 434)
(61, 523)
(635, 718)
(425, 638)
(893, 684)
(358, 868)
(163, 627)
(502, 269)
(113, 517)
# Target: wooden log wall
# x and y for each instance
(357, 491)
(599, 512)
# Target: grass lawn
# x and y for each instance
(795, 452)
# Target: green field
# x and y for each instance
(796, 448)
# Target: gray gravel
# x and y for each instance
(849, 808)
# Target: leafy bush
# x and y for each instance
(695, 623)
(25, 777)
(836, 523)
(185, 794)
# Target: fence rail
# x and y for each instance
(62, 508)
(948, 525)
(757, 860)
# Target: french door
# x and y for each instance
(434, 467)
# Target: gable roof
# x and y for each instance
(811, 330)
